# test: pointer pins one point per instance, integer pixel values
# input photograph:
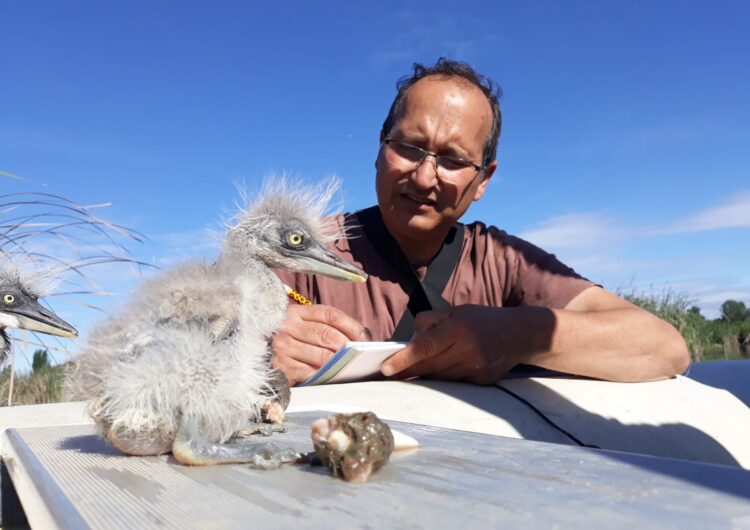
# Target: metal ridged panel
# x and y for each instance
(455, 479)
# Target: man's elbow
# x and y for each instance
(675, 354)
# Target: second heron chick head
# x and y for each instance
(21, 287)
(287, 227)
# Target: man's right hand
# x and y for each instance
(308, 337)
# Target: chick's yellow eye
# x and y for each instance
(9, 298)
(295, 239)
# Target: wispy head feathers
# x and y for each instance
(282, 201)
(29, 278)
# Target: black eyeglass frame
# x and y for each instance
(425, 153)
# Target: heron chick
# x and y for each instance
(20, 307)
(184, 367)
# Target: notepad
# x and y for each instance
(356, 361)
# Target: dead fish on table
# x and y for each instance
(353, 446)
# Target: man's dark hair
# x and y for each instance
(449, 68)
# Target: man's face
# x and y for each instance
(445, 116)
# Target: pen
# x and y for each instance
(297, 297)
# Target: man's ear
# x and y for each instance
(487, 175)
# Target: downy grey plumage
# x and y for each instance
(189, 353)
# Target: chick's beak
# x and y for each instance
(34, 317)
(319, 260)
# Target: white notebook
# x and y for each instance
(356, 361)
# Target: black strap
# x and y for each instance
(426, 294)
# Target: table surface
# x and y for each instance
(67, 477)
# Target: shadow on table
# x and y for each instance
(677, 450)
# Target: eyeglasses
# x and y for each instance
(448, 165)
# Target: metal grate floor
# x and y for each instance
(67, 477)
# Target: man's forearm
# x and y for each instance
(600, 336)
(622, 344)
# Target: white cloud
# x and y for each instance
(734, 212)
(580, 231)
(714, 297)
(595, 245)
(436, 34)
(575, 232)
(710, 293)
(196, 242)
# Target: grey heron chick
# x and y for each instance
(184, 367)
(20, 307)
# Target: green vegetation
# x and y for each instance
(40, 361)
(727, 337)
(43, 385)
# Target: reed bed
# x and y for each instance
(67, 241)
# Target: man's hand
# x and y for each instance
(598, 334)
(467, 343)
(308, 337)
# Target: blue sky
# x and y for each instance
(624, 148)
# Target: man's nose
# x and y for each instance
(425, 174)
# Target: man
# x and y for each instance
(509, 302)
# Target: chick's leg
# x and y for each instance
(273, 408)
(191, 449)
